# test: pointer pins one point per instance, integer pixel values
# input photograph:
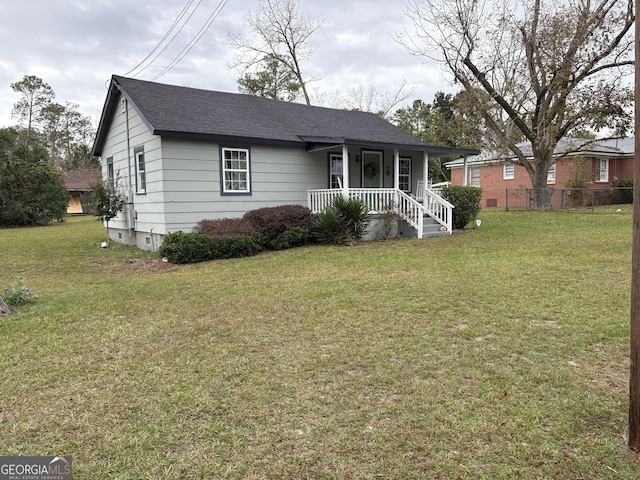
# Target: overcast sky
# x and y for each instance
(76, 45)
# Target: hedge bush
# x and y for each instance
(182, 247)
(270, 222)
(626, 192)
(291, 237)
(237, 246)
(466, 201)
(225, 227)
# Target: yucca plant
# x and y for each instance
(342, 223)
(329, 228)
(355, 214)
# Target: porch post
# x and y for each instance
(425, 174)
(345, 170)
(465, 172)
(396, 169)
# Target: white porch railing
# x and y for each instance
(380, 199)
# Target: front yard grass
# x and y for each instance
(498, 353)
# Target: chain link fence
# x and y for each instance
(522, 198)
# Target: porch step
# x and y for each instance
(431, 228)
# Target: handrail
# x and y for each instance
(379, 199)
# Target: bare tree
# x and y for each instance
(369, 99)
(282, 36)
(366, 98)
(533, 69)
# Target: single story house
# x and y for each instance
(78, 184)
(601, 164)
(182, 155)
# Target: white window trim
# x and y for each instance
(600, 178)
(141, 175)
(474, 171)
(551, 175)
(508, 171)
(407, 175)
(338, 176)
(225, 170)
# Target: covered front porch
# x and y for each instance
(399, 183)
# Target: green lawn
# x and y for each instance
(500, 353)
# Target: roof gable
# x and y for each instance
(170, 110)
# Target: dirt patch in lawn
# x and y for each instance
(148, 265)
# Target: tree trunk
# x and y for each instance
(4, 309)
(541, 192)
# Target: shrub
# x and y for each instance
(354, 213)
(290, 238)
(237, 246)
(181, 247)
(329, 228)
(466, 201)
(342, 223)
(225, 227)
(387, 223)
(269, 222)
(626, 192)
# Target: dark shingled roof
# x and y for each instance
(79, 180)
(175, 111)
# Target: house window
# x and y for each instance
(235, 170)
(602, 170)
(335, 170)
(110, 173)
(474, 176)
(404, 174)
(508, 171)
(551, 174)
(141, 170)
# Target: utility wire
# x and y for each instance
(194, 40)
(173, 26)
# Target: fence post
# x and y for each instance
(506, 199)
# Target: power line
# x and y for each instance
(173, 26)
(194, 40)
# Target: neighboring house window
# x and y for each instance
(335, 170)
(602, 170)
(110, 173)
(141, 170)
(508, 171)
(551, 174)
(474, 176)
(235, 170)
(405, 174)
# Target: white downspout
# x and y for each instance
(345, 170)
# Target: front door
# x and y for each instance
(371, 169)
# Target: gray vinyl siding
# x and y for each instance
(146, 210)
(192, 182)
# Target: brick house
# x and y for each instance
(601, 164)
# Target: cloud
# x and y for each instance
(76, 45)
